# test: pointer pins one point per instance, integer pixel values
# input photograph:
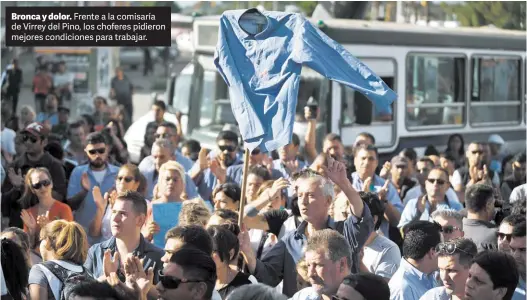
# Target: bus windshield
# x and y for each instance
(182, 88)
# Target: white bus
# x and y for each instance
(469, 81)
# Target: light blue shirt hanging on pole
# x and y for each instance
(262, 71)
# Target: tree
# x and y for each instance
(502, 14)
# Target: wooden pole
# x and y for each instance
(246, 158)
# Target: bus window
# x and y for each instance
(358, 110)
(182, 88)
(496, 91)
(435, 88)
(312, 84)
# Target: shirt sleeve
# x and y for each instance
(74, 184)
(456, 179)
(389, 263)
(90, 260)
(357, 230)
(270, 270)
(315, 49)
(275, 219)
(37, 276)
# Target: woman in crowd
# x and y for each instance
(128, 179)
(226, 248)
(41, 207)
(227, 196)
(64, 246)
(456, 148)
(18, 236)
(15, 270)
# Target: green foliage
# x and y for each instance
(502, 14)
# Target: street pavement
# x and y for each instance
(142, 98)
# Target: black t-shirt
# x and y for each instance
(239, 280)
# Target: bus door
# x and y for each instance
(352, 113)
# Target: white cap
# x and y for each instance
(496, 139)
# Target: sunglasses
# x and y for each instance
(172, 283)
(31, 138)
(450, 248)
(503, 236)
(229, 148)
(40, 184)
(439, 181)
(162, 136)
(94, 151)
(449, 229)
(126, 179)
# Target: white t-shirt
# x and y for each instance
(99, 175)
(382, 257)
(8, 141)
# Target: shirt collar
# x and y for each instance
(244, 34)
(410, 269)
(300, 231)
(139, 251)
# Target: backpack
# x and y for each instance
(68, 279)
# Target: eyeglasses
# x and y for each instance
(172, 283)
(126, 179)
(229, 148)
(449, 229)
(439, 181)
(450, 248)
(40, 184)
(99, 150)
(31, 138)
(503, 236)
(162, 135)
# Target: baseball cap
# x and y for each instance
(37, 129)
(399, 161)
(496, 139)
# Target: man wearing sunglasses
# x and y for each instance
(421, 208)
(454, 260)
(208, 172)
(477, 161)
(451, 222)
(100, 173)
(190, 275)
(505, 231)
(517, 245)
(35, 139)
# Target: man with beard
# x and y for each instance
(208, 172)
(100, 173)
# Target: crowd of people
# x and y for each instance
(79, 221)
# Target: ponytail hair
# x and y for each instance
(67, 240)
(16, 272)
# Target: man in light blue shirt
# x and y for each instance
(163, 151)
(100, 173)
(260, 57)
(207, 179)
(422, 208)
(416, 273)
(366, 161)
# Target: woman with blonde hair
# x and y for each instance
(64, 248)
(43, 208)
(194, 212)
(129, 178)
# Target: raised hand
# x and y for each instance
(336, 171)
(218, 169)
(110, 264)
(43, 220)
(291, 166)
(100, 201)
(151, 229)
(15, 177)
(385, 171)
(85, 181)
(384, 190)
(203, 161)
(277, 187)
(28, 220)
